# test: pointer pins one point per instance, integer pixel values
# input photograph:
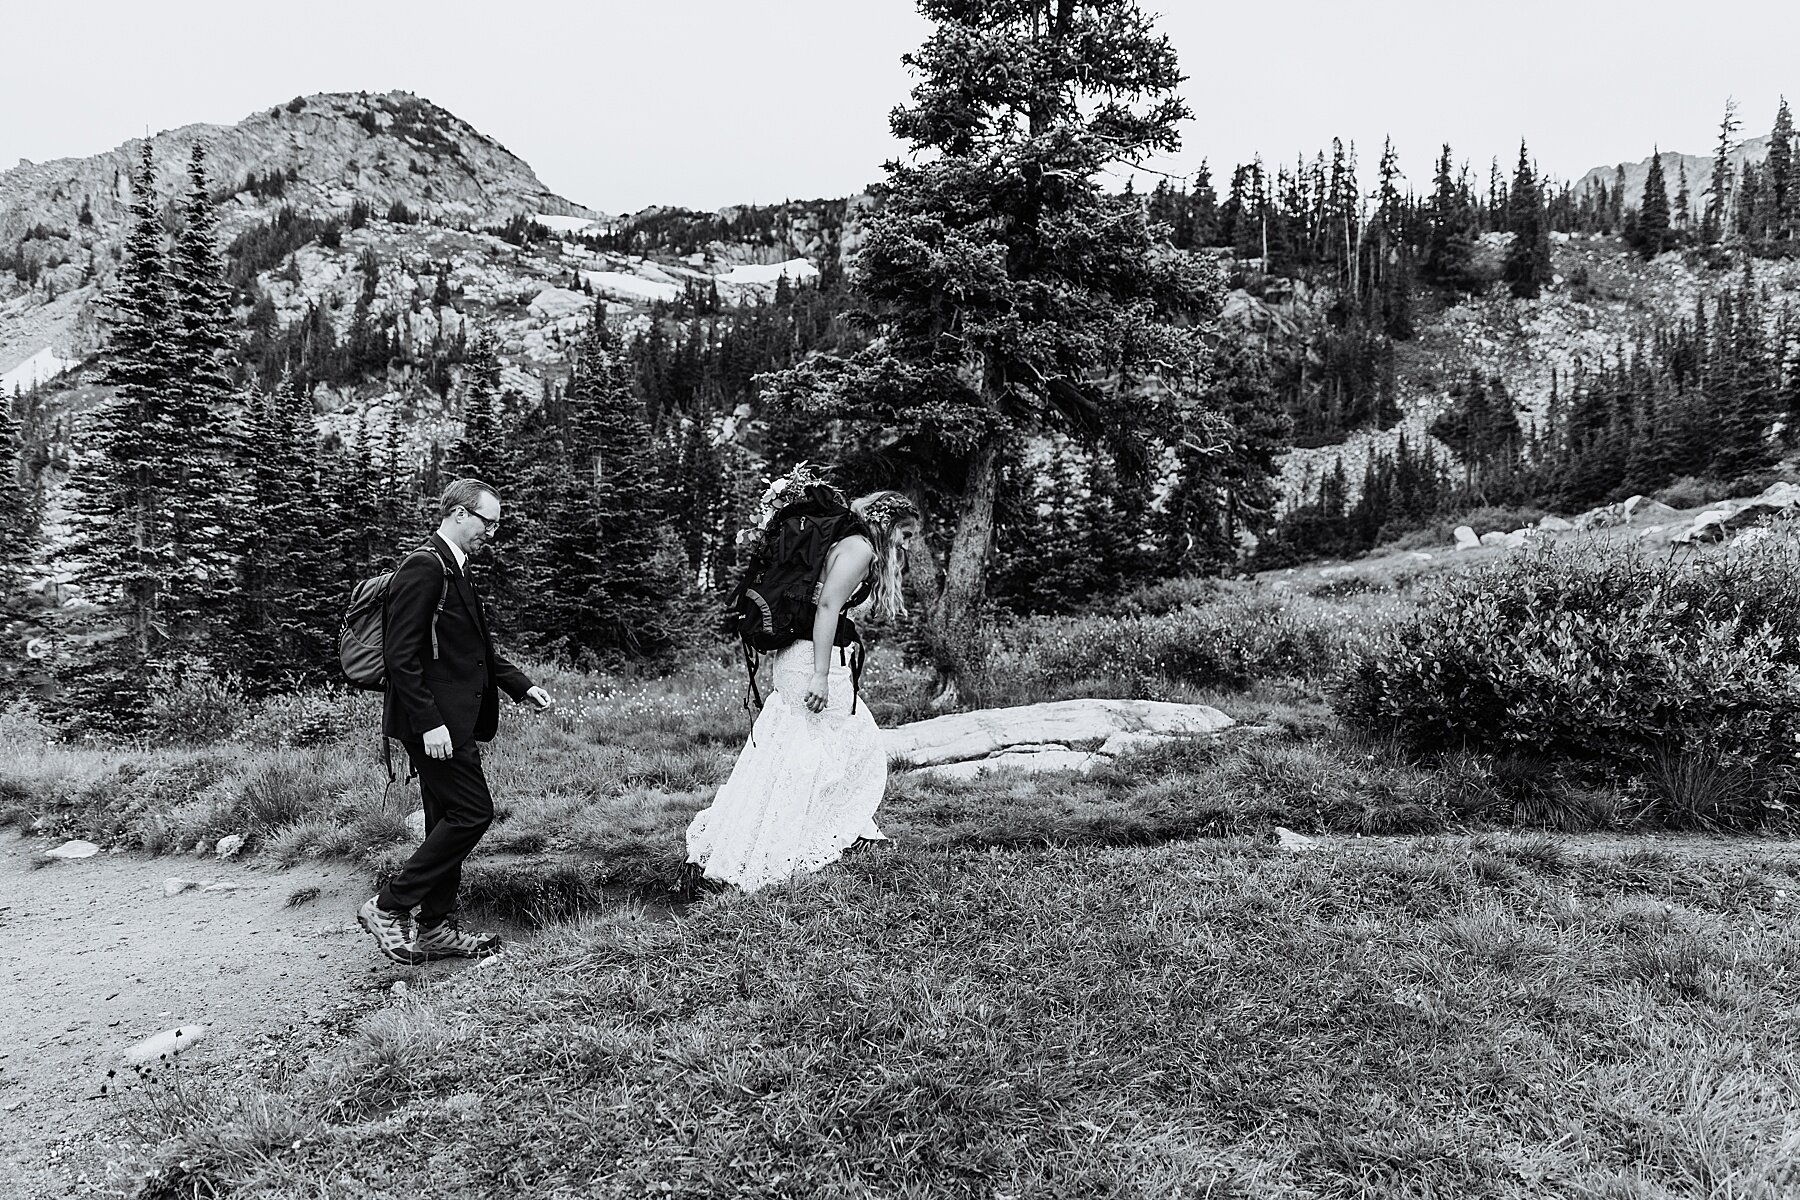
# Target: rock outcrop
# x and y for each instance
(1041, 737)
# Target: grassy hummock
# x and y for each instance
(1502, 1016)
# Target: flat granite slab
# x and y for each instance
(976, 737)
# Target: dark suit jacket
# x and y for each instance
(460, 687)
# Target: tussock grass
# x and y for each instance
(1478, 1019)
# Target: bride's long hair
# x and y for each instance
(886, 513)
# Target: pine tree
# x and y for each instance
(17, 528)
(1744, 384)
(203, 462)
(478, 452)
(358, 540)
(1010, 287)
(1684, 200)
(1718, 193)
(615, 573)
(1652, 236)
(126, 530)
(1450, 241)
(1783, 178)
(289, 599)
(1527, 266)
(1217, 500)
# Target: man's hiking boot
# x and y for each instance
(393, 932)
(447, 939)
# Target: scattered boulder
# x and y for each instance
(1639, 509)
(75, 848)
(1554, 524)
(1777, 502)
(230, 846)
(1466, 539)
(554, 303)
(1517, 538)
(962, 737)
(1636, 510)
(1493, 538)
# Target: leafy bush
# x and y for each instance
(313, 719)
(1605, 660)
(1227, 644)
(196, 707)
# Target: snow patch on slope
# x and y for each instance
(41, 367)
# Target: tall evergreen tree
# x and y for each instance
(1527, 266)
(289, 594)
(1010, 287)
(126, 523)
(1450, 240)
(1784, 180)
(1652, 235)
(613, 575)
(204, 407)
(479, 451)
(1718, 192)
(17, 524)
(1218, 500)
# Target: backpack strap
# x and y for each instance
(855, 656)
(443, 596)
(751, 661)
(387, 744)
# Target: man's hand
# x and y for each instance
(817, 693)
(437, 743)
(538, 698)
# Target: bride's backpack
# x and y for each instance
(774, 602)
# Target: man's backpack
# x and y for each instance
(363, 632)
(774, 603)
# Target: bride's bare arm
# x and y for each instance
(845, 567)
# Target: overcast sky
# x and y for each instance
(620, 104)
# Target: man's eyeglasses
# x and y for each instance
(487, 523)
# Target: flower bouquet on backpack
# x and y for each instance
(798, 485)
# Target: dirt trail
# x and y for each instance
(97, 958)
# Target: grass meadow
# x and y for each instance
(1101, 985)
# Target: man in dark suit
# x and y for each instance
(443, 698)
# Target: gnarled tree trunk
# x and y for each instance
(956, 615)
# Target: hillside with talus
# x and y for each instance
(385, 199)
(371, 239)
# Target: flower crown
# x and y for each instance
(890, 509)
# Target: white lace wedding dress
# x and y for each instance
(806, 785)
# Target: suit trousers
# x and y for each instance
(458, 810)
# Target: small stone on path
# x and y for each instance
(1294, 841)
(174, 886)
(75, 848)
(166, 1044)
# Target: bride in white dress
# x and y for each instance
(814, 769)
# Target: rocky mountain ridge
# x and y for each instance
(1698, 166)
(450, 189)
(435, 197)
(323, 152)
